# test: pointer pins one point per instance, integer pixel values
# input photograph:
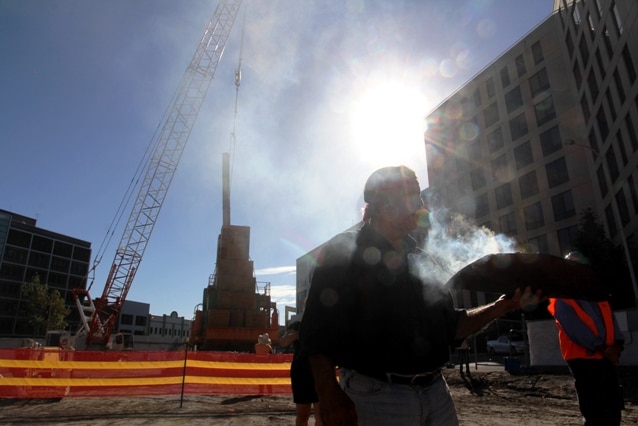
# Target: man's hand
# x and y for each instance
(612, 353)
(525, 300)
(337, 409)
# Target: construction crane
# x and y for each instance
(98, 320)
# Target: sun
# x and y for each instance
(387, 124)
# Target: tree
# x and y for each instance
(607, 260)
(43, 307)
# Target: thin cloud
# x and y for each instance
(276, 270)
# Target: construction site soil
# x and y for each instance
(492, 398)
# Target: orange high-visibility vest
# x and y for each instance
(572, 350)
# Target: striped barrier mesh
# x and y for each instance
(45, 373)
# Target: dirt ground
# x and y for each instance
(495, 398)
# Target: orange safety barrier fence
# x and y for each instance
(46, 373)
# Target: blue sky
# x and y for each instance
(331, 90)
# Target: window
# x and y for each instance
(528, 184)
(520, 65)
(544, 111)
(523, 155)
(482, 205)
(584, 105)
(505, 77)
(518, 126)
(577, 75)
(603, 127)
(599, 62)
(593, 86)
(620, 143)
(602, 181)
(633, 192)
(533, 216)
(537, 52)
(60, 264)
(475, 151)
(623, 209)
(62, 249)
(576, 15)
(592, 26)
(12, 272)
(495, 140)
(140, 321)
(599, 9)
(503, 196)
(508, 224)
(584, 51)
(612, 164)
(551, 141)
(490, 87)
(608, 47)
(78, 268)
(570, 44)
(126, 319)
(15, 255)
(499, 169)
(629, 64)
(539, 82)
(557, 172)
(616, 19)
(567, 238)
(563, 205)
(478, 179)
(477, 98)
(42, 244)
(593, 143)
(462, 165)
(490, 114)
(538, 244)
(619, 86)
(18, 238)
(39, 260)
(631, 130)
(610, 105)
(513, 99)
(82, 254)
(57, 280)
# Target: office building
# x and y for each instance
(60, 261)
(547, 130)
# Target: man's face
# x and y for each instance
(405, 212)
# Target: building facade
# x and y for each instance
(60, 261)
(546, 131)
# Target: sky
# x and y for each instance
(331, 90)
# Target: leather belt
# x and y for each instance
(419, 380)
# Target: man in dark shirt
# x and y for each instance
(373, 312)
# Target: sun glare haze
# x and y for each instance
(387, 124)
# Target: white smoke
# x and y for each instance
(454, 241)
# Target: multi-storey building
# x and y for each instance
(60, 261)
(547, 130)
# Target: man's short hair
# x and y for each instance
(386, 183)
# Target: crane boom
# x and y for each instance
(169, 146)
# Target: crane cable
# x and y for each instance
(233, 137)
(132, 188)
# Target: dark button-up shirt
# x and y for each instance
(372, 308)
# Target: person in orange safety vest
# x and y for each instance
(591, 342)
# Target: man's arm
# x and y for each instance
(336, 407)
(288, 338)
(474, 320)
